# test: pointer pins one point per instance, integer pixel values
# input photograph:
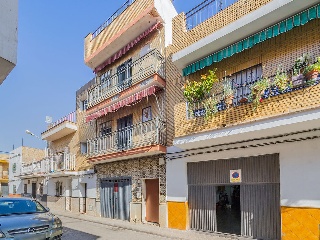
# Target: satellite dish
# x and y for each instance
(48, 119)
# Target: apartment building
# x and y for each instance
(244, 157)
(20, 184)
(124, 107)
(8, 37)
(70, 183)
(4, 174)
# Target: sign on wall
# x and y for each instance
(235, 176)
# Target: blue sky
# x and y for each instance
(50, 64)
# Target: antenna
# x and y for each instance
(48, 119)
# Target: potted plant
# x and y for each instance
(258, 91)
(281, 81)
(300, 64)
(196, 91)
(228, 93)
(311, 72)
(210, 106)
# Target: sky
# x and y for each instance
(50, 66)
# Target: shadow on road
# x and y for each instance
(71, 234)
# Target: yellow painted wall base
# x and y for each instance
(300, 223)
(177, 215)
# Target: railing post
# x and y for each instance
(157, 130)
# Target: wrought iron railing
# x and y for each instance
(242, 91)
(205, 10)
(141, 69)
(112, 18)
(54, 163)
(143, 134)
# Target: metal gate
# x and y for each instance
(259, 194)
(115, 197)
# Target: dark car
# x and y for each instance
(24, 218)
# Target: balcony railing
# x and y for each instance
(140, 135)
(141, 69)
(113, 17)
(205, 10)
(71, 117)
(55, 163)
(241, 84)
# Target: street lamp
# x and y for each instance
(32, 134)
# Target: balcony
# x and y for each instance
(241, 114)
(143, 139)
(144, 68)
(242, 20)
(4, 176)
(56, 164)
(61, 128)
(125, 28)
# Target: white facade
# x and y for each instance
(8, 36)
(297, 157)
(15, 165)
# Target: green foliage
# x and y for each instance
(301, 63)
(281, 80)
(210, 105)
(313, 67)
(257, 91)
(227, 89)
(195, 91)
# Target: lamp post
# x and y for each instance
(32, 134)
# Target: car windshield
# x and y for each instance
(20, 206)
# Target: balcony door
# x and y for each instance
(124, 132)
(124, 72)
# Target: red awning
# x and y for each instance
(126, 48)
(122, 103)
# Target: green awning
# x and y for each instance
(247, 43)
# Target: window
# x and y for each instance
(83, 105)
(14, 168)
(105, 128)
(146, 114)
(25, 188)
(105, 80)
(124, 72)
(14, 189)
(242, 80)
(83, 147)
(58, 189)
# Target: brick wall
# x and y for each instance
(183, 38)
(282, 50)
(122, 21)
(30, 155)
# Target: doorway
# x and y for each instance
(152, 200)
(34, 190)
(124, 126)
(228, 209)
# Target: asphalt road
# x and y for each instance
(76, 229)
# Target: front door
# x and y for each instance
(34, 190)
(152, 200)
(124, 132)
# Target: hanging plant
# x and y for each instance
(196, 91)
(257, 91)
(281, 80)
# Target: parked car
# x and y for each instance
(25, 218)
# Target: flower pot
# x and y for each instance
(312, 74)
(298, 80)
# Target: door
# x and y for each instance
(124, 72)
(152, 200)
(124, 135)
(115, 195)
(4, 189)
(34, 190)
(85, 198)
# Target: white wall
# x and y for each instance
(9, 30)
(167, 11)
(299, 166)
(15, 157)
(78, 186)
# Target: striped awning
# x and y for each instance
(125, 49)
(247, 43)
(122, 103)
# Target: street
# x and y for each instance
(76, 229)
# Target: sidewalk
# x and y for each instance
(146, 228)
